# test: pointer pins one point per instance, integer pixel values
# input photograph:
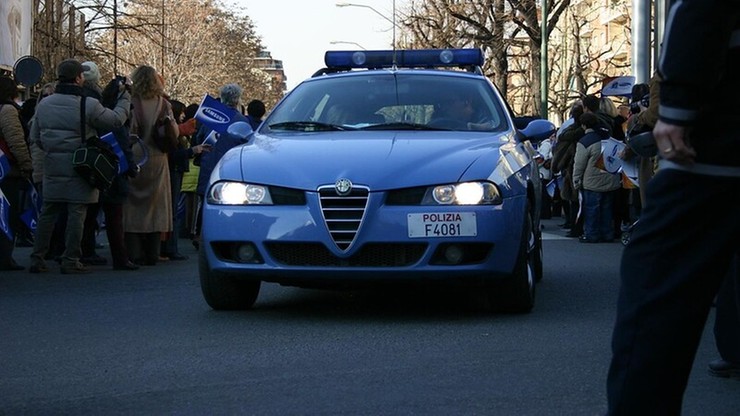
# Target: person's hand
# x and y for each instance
(201, 148)
(673, 144)
(133, 171)
(624, 111)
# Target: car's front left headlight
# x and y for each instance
(238, 193)
(466, 193)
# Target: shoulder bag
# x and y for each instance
(163, 131)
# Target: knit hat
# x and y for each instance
(91, 74)
(69, 69)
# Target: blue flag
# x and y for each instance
(216, 115)
(211, 139)
(4, 165)
(550, 187)
(5, 216)
(30, 215)
(110, 138)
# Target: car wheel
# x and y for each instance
(224, 292)
(516, 294)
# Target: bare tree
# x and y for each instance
(495, 26)
(197, 45)
(510, 33)
(458, 24)
(577, 65)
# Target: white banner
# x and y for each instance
(16, 30)
(618, 86)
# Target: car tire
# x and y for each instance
(224, 292)
(517, 293)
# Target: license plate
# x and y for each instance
(442, 224)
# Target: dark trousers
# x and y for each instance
(143, 247)
(671, 270)
(727, 320)
(113, 230)
(621, 209)
(88, 233)
(50, 211)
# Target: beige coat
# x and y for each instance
(12, 131)
(149, 205)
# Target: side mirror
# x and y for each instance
(240, 130)
(538, 130)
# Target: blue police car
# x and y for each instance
(385, 166)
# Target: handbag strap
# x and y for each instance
(82, 120)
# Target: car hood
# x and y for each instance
(379, 160)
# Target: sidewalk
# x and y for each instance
(22, 256)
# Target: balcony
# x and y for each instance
(619, 15)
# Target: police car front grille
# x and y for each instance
(343, 214)
(369, 255)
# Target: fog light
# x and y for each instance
(454, 254)
(246, 253)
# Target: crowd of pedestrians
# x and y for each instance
(139, 210)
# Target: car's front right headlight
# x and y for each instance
(238, 193)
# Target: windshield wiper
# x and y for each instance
(308, 126)
(400, 126)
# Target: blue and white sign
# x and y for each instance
(4, 165)
(216, 115)
(5, 216)
(551, 187)
(612, 150)
(211, 139)
(31, 215)
(618, 86)
(110, 138)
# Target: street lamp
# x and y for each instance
(392, 21)
(339, 42)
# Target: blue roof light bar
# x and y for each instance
(425, 58)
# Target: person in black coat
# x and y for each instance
(682, 248)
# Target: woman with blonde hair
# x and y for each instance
(147, 213)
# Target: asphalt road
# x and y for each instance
(145, 342)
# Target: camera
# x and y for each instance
(123, 81)
(636, 106)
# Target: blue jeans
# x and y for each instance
(598, 215)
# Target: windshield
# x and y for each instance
(390, 101)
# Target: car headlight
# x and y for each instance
(466, 193)
(238, 193)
